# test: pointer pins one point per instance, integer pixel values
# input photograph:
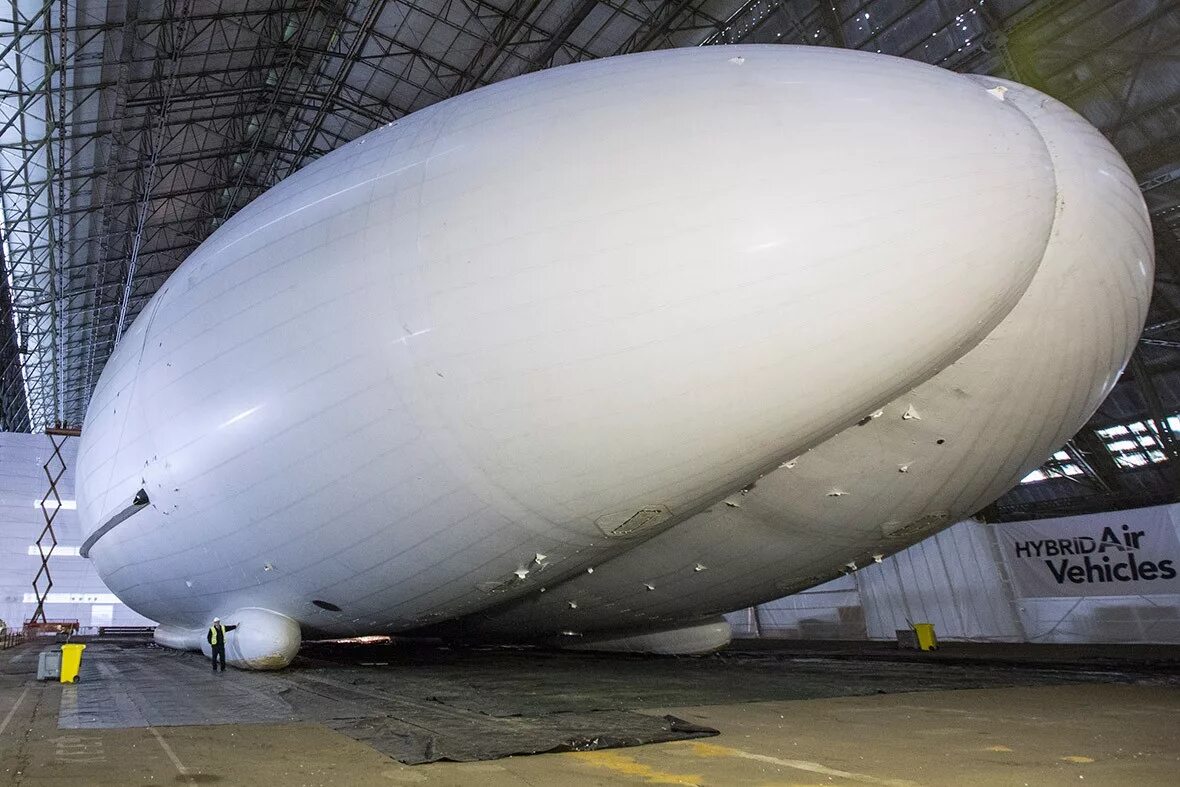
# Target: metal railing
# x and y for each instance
(10, 639)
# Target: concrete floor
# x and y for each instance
(1116, 733)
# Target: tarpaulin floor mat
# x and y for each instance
(492, 737)
(152, 687)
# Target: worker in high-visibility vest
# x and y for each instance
(216, 637)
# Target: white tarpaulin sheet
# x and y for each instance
(1120, 553)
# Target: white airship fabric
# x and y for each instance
(586, 315)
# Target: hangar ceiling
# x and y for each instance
(131, 129)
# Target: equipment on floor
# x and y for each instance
(919, 636)
(71, 662)
(926, 637)
(125, 631)
(50, 628)
(49, 665)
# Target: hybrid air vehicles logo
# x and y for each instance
(1108, 556)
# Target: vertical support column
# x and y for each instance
(62, 250)
(55, 468)
(1014, 608)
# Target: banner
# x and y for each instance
(1118, 553)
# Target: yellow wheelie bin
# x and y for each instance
(927, 639)
(71, 662)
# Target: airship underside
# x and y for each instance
(594, 355)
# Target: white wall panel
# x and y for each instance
(957, 581)
(831, 611)
(950, 580)
(77, 589)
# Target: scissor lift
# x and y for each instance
(55, 468)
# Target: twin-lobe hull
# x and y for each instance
(539, 358)
(934, 455)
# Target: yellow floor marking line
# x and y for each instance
(1078, 758)
(12, 710)
(183, 771)
(627, 766)
(997, 748)
(713, 750)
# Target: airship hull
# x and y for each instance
(929, 458)
(539, 358)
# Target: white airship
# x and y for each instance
(594, 355)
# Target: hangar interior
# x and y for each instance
(132, 129)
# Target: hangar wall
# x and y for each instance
(78, 593)
(960, 581)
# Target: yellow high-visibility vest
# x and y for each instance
(215, 636)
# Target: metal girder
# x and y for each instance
(164, 72)
(658, 24)
(833, 21)
(1146, 21)
(668, 19)
(351, 42)
(561, 36)
(1171, 345)
(103, 199)
(510, 23)
(14, 405)
(1093, 457)
(1167, 263)
(315, 27)
(1169, 442)
(28, 62)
